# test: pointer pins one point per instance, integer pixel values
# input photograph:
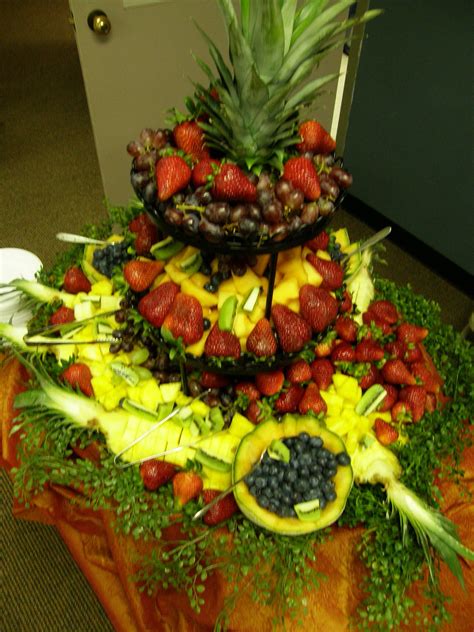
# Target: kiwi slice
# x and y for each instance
(278, 451)
(308, 510)
(369, 401)
(227, 313)
(125, 372)
(139, 410)
(166, 248)
(192, 263)
(212, 462)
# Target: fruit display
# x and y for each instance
(223, 376)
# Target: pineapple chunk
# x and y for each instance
(216, 480)
(64, 352)
(175, 274)
(244, 284)
(150, 394)
(102, 288)
(347, 387)
(242, 325)
(334, 402)
(313, 275)
(286, 290)
(109, 303)
(199, 279)
(197, 349)
(240, 426)
(161, 278)
(257, 314)
(323, 254)
(294, 305)
(207, 299)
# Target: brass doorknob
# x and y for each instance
(99, 22)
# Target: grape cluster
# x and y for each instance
(144, 152)
(106, 259)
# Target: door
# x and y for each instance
(143, 67)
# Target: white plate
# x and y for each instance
(15, 263)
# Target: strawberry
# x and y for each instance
(406, 332)
(254, 412)
(346, 302)
(293, 331)
(298, 372)
(61, 316)
(138, 222)
(343, 352)
(396, 349)
(401, 412)
(248, 389)
(289, 399)
(322, 371)
(186, 486)
(390, 399)
(185, 319)
(324, 348)
(270, 383)
(332, 272)
(79, 376)
(320, 242)
(156, 473)
(428, 379)
(415, 397)
(385, 432)
(312, 401)
(371, 377)
(317, 307)
(370, 320)
(203, 172)
(412, 353)
(346, 328)
(141, 274)
(261, 340)
(397, 372)
(231, 184)
(222, 510)
(172, 174)
(75, 281)
(155, 305)
(384, 311)
(189, 137)
(431, 403)
(223, 344)
(213, 380)
(302, 174)
(145, 238)
(315, 138)
(368, 351)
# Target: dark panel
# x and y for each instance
(410, 135)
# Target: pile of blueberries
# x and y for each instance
(105, 260)
(278, 486)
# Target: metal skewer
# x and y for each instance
(70, 238)
(368, 243)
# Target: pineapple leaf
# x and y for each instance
(288, 11)
(267, 37)
(306, 94)
(245, 17)
(305, 17)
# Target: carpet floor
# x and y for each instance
(50, 182)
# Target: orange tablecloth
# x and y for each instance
(106, 559)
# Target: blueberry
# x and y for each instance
(330, 471)
(210, 287)
(315, 442)
(260, 482)
(330, 496)
(264, 502)
(304, 436)
(206, 323)
(343, 458)
(292, 476)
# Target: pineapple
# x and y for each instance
(273, 49)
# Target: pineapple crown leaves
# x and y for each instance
(272, 49)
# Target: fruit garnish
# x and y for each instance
(185, 319)
(141, 274)
(156, 473)
(62, 315)
(222, 344)
(317, 307)
(75, 281)
(79, 376)
(155, 305)
(172, 174)
(293, 330)
(261, 340)
(186, 487)
(315, 138)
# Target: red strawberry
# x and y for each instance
(346, 303)
(293, 331)
(79, 376)
(369, 351)
(141, 274)
(213, 380)
(384, 311)
(155, 305)
(172, 174)
(289, 400)
(145, 239)
(138, 222)
(302, 174)
(312, 401)
(189, 137)
(390, 399)
(413, 353)
(415, 397)
(315, 138)
(401, 412)
(422, 373)
(396, 372)
(343, 352)
(396, 349)
(233, 185)
(322, 371)
(186, 486)
(222, 510)
(371, 321)
(346, 328)
(185, 319)
(384, 432)
(332, 272)
(203, 172)
(320, 242)
(317, 307)
(223, 344)
(431, 402)
(261, 340)
(62, 315)
(248, 389)
(156, 473)
(254, 412)
(270, 383)
(324, 348)
(75, 281)
(298, 372)
(411, 333)
(371, 377)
